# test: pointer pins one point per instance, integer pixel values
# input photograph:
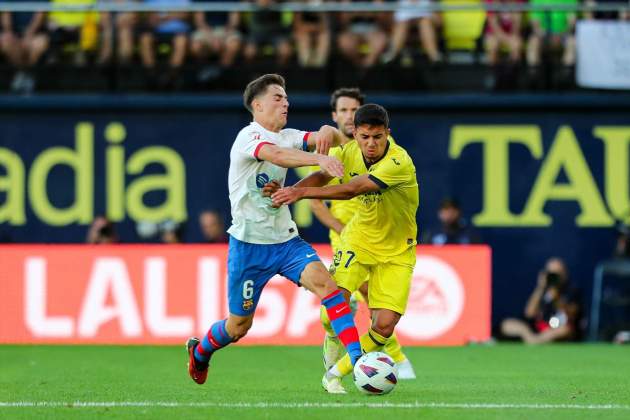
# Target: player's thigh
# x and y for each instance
(350, 271)
(390, 284)
(293, 258)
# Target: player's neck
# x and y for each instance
(267, 125)
(345, 139)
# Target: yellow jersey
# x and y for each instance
(342, 210)
(63, 19)
(384, 223)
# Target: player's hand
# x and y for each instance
(270, 187)
(288, 195)
(542, 280)
(331, 165)
(324, 141)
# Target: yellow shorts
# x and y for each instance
(389, 282)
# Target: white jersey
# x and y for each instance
(253, 218)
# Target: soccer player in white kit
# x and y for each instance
(264, 239)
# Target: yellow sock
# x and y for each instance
(370, 341)
(394, 349)
(323, 317)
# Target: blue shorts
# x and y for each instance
(250, 266)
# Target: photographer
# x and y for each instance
(101, 232)
(552, 310)
(622, 249)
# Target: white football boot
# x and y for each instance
(332, 384)
(405, 370)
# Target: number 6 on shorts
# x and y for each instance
(248, 289)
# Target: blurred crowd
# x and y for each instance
(161, 43)
(211, 227)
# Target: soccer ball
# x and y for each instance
(375, 373)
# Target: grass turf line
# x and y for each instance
(504, 381)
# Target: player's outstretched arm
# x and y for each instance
(293, 158)
(359, 185)
(325, 216)
(322, 140)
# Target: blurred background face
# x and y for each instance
(343, 115)
(372, 140)
(273, 106)
(211, 225)
(449, 215)
(557, 266)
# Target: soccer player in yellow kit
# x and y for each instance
(344, 103)
(379, 242)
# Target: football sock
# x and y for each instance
(343, 324)
(393, 349)
(370, 341)
(323, 317)
(216, 338)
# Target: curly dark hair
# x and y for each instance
(354, 93)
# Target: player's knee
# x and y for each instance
(316, 278)
(383, 327)
(239, 329)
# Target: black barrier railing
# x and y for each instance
(463, 5)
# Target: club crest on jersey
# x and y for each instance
(261, 180)
(247, 304)
(255, 135)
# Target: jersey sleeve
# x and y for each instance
(297, 138)
(252, 143)
(394, 171)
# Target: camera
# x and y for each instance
(553, 279)
(106, 230)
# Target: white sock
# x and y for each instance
(333, 372)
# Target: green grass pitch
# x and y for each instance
(502, 381)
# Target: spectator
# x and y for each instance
(266, 28)
(216, 34)
(453, 229)
(312, 35)
(23, 42)
(83, 32)
(171, 232)
(556, 27)
(622, 249)
(362, 38)
(126, 24)
(552, 311)
(212, 227)
(164, 28)
(426, 22)
(503, 33)
(101, 232)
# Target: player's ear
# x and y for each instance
(334, 116)
(256, 105)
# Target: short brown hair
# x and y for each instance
(354, 93)
(259, 86)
